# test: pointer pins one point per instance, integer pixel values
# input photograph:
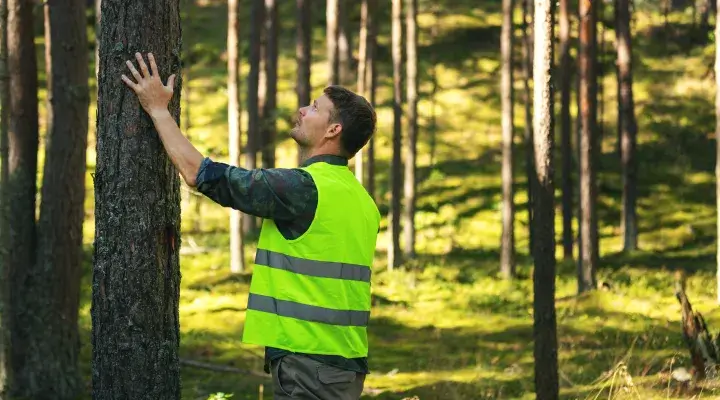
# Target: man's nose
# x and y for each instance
(303, 111)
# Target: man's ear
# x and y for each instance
(333, 131)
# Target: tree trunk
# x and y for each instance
(527, 76)
(269, 127)
(5, 367)
(566, 149)
(332, 14)
(53, 363)
(432, 137)
(237, 247)
(588, 146)
(372, 83)
(98, 6)
(136, 276)
(257, 16)
(396, 167)
(23, 142)
(303, 55)
(362, 81)
(628, 125)
(545, 325)
(717, 138)
(507, 255)
(344, 43)
(412, 127)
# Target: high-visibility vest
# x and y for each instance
(312, 294)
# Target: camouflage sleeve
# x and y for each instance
(275, 193)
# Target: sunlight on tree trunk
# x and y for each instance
(362, 81)
(303, 56)
(412, 128)
(396, 167)
(332, 11)
(566, 128)
(527, 35)
(237, 251)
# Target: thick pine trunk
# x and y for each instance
(565, 134)
(54, 362)
(269, 127)
(372, 83)
(237, 248)
(332, 13)
(527, 77)
(628, 125)
(396, 167)
(257, 16)
(507, 252)
(545, 324)
(303, 55)
(588, 146)
(362, 81)
(412, 128)
(4, 227)
(136, 276)
(23, 142)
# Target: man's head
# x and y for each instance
(338, 122)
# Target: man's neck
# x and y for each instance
(306, 154)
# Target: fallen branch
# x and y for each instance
(219, 368)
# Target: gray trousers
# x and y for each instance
(300, 377)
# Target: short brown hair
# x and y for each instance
(356, 116)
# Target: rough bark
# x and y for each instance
(507, 252)
(396, 167)
(412, 128)
(22, 169)
(545, 324)
(269, 114)
(362, 81)
(237, 248)
(136, 275)
(565, 133)
(303, 55)
(4, 227)
(588, 146)
(332, 13)
(527, 77)
(257, 16)
(628, 125)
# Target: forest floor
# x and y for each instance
(446, 326)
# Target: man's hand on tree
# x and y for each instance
(154, 96)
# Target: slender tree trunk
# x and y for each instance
(53, 363)
(303, 55)
(332, 14)
(23, 142)
(433, 95)
(566, 149)
(5, 368)
(257, 16)
(717, 137)
(545, 324)
(412, 127)
(527, 77)
(271, 72)
(628, 125)
(396, 168)
(372, 84)
(600, 68)
(362, 82)
(507, 255)
(588, 146)
(237, 247)
(345, 54)
(136, 276)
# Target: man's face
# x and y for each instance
(313, 122)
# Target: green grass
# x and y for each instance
(446, 327)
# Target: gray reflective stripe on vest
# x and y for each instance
(322, 269)
(306, 312)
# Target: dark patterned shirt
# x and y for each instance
(286, 195)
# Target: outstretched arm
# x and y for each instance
(154, 97)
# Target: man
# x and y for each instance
(309, 299)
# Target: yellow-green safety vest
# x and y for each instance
(312, 294)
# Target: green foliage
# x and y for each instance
(219, 396)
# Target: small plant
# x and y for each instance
(220, 396)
